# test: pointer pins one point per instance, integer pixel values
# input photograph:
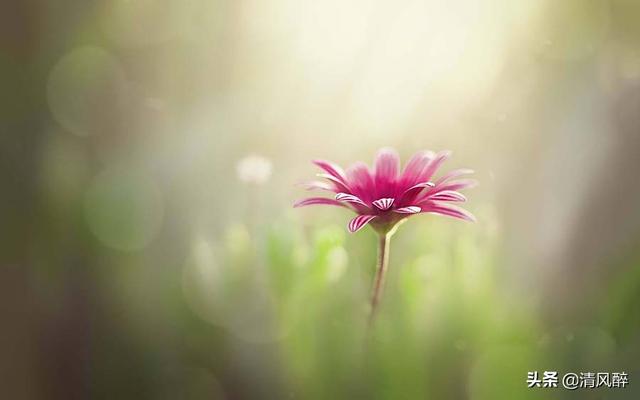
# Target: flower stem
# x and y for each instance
(383, 264)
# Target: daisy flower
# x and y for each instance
(384, 197)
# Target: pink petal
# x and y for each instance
(449, 210)
(447, 186)
(410, 195)
(454, 174)
(319, 200)
(384, 203)
(433, 166)
(386, 168)
(361, 182)
(408, 210)
(447, 195)
(456, 185)
(420, 186)
(316, 185)
(339, 185)
(358, 222)
(414, 167)
(332, 169)
(350, 198)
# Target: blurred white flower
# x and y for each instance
(254, 169)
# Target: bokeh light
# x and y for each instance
(87, 90)
(123, 208)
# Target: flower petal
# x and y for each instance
(408, 210)
(410, 195)
(316, 185)
(358, 222)
(414, 167)
(449, 210)
(350, 198)
(339, 185)
(384, 203)
(447, 195)
(318, 200)
(361, 182)
(421, 185)
(433, 165)
(447, 186)
(386, 169)
(332, 169)
(456, 185)
(454, 174)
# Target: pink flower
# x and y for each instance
(385, 196)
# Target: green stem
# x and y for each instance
(382, 266)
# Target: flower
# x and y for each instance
(384, 197)
(254, 169)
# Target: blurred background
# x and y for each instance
(148, 156)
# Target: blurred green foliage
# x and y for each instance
(447, 329)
